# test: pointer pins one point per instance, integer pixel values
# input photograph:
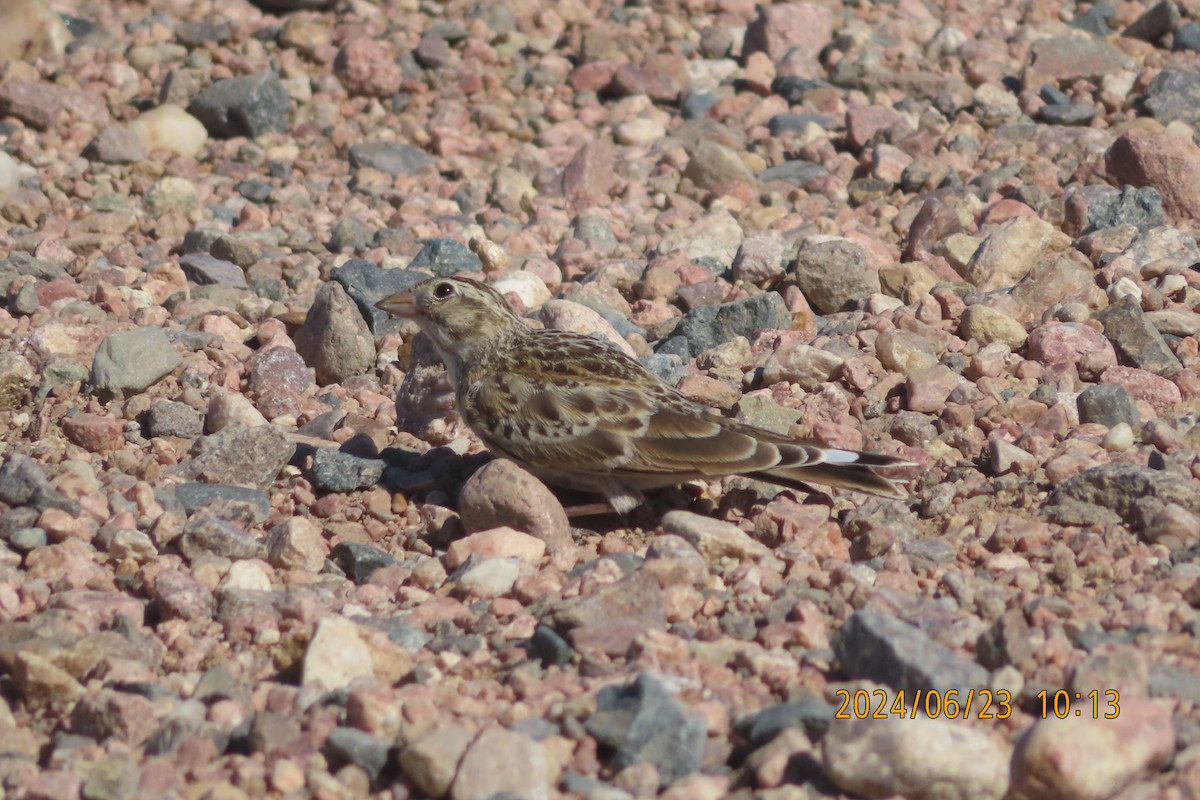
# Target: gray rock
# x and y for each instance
(210, 535)
(408, 636)
(797, 173)
(359, 560)
(1135, 339)
(335, 471)
(1068, 114)
(1140, 207)
(708, 326)
(696, 105)
(1126, 492)
(128, 362)
(169, 418)
(28, 539)
(117, 144)
(1174, 94)
(349, 234)
(782, 124)
(811, 713)
(335, 340)
(249, 105)
(240, 456)
(1108, 404)
(548, 647)
(794, 88)
(890, 651)
(1157, 21)
(222, 499)
(667, 366)
(392, 158)
(205, 270)
(112, 778)
(1095, 20)
(352, 746)
(236, 249)
(834, 275)
(16, 380)
(1007, 641)
(446, 257)
(642, 722)
(1187, 38)
(367, 284)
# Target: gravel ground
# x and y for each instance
(248, 550)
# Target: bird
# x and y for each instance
(577, 412)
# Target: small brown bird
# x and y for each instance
(577, 412)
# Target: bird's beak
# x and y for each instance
(400, 304)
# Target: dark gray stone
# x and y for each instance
(352, 746)
(1158, 20)
(367, 284)
(408, 636)
(1140, 207)
(548, 647)
(1007, 641)
(128, 362)
(1174, 94)
(890, 651)
(199, 32)
(811, 713)
(1136, 339)
(195, 496)
(446, 257)
(205, 270)
(642, 722)
(249, 105)
(335, 471)
(794, 88)
(708, 326)
(358, 560)
(1109, 405)
(392, 158)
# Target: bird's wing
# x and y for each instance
(563, 422)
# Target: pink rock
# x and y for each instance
(888, 163)
(1167, 162)
(501, 494)
(1067, 342)
(182, 596)
(590, 175)
(1161, 394)
(929, 387)
(496, 543)
(94, 432)
(797, 30)
(864, 122)
(366, 67)
(107, 713)
(1086, 757)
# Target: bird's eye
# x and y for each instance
(443, 290)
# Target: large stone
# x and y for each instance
(129, 362)
(248, 105)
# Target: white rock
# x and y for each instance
(525, 285)
(336, 655)
(10, 177)
(170, 128)
(491, 577)
(248, 575)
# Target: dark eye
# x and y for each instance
(443, 290)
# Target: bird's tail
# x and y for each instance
(845, 469)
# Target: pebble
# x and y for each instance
(891, 651)
(915, 757)
(1011, 251)
(16, 380)
(359, 560)
(1091, 758)
(987, 325)
(129, 362)
(335, 340)
(241, 456)
(834, 275)
(501, 494)
(566, 315)
(1108, 405)
(643, 723)
(707, 326)
(446, 257)
(335, 471)
(279, 378)
(496, 543)
(392, 158)
(431, 760)
(504, 762)
(205, 270)
(248, 105)
(1136, 339)
(712, 538)
(367, 284)
(488, 577)
(336, 655)
(31, 31)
